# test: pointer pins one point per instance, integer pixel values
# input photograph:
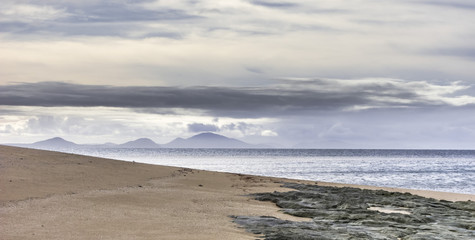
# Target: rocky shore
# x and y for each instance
(353, 213)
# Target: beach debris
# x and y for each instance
(184, 172)
(353, 213)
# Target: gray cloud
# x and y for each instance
(49, 124)
(467, 5)
(254, 70)
(292, 96)
(299, 7)
(468, 53)
(390, 128)
(240, 126)
(273, 4)
(95, 29)
(134, 19)
(200, 127)
(54, 124)
(97, 18)
(118, 13)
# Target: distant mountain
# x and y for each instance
(203, 140)
(54, 143)
(177, 142)
(208, 140)
(139, 143)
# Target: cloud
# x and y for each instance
(468, 52)
(289, 97)
(459, 4)
(31, 13)
(247, 129)
(90, 12)
(273, 4)
(100, 124)
(269, 133)
(90, 18)
(230, 42)
(200, 127)
(59, 125)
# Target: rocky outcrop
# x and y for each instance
(352, 213)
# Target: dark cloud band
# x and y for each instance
(287, 98)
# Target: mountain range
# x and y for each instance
(202, 140)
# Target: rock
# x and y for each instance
(342, 213)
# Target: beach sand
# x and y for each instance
(51, 195)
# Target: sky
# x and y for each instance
(310, 74)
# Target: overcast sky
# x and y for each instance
(315, 74)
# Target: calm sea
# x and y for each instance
(439, 170)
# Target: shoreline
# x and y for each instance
(440, 195)
(53, 195)
(435, 189)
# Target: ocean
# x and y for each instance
(438, 170)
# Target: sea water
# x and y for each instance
(438, 170)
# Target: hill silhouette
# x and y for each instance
(202, 140)
(208, 140)
(53, 143)
(139, 143)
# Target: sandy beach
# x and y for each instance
(51, 195)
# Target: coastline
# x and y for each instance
(51, 195)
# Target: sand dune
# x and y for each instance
(50, 195)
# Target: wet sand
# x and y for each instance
(51, 195)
